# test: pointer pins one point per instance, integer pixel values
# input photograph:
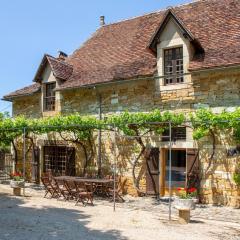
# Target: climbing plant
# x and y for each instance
(80, 130)
(208, 124)
(137, 126)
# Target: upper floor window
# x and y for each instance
(178, 133)
(173, 65)
(49, 97)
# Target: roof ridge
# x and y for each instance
(154, 12)
(62, 62)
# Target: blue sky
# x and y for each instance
(31, 28)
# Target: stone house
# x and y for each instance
(178, 59)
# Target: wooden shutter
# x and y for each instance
(193, 168)
(70, 166)
(35, 164)
(152, 173)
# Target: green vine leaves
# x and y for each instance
(203, 121)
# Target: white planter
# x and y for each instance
(184, 204)
(17, 184)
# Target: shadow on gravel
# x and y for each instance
(23, 223)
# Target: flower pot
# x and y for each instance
(17, 184)
(184, 204)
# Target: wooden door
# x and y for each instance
(193, 170)
(35, 165)
(152, 172)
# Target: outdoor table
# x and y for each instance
(94, 181)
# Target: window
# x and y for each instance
(49, 97)
(173, 65)
(178, 133)
(59, 160)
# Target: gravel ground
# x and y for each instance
(34, 217)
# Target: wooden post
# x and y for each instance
(17, 191)
(162, 172)
(184, 216)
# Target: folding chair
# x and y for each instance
(49, 187)
(71, 188)
(110, 191)
(62, 189)
(84, 193)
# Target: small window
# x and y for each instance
(49, 97)
(178, 133)
(173, 65)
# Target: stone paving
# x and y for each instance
(35, 217)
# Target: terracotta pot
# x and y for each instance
(184, 204)
(17, 184)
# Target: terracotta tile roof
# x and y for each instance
(216, 24)
(119, 51)
(34, 88)
(60, 68)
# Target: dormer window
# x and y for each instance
(173, 65)
(49, 97)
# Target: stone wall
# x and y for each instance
(214, 89)
(30, 106)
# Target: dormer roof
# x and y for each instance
(59, 67)
(186, 33)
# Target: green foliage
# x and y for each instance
(128, 123)
(142, 122)
(204, 121)
(236, 178)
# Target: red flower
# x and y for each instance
(191, 190)
(180, 189)
(16, 174)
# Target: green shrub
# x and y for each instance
(236, 178)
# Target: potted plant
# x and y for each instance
(17, 182)
(186, 198)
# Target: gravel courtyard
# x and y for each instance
(34, 217)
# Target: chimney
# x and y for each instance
(102, 21)
(62, 55)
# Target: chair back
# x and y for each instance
(80, 186)
(46, 182)
(89, 187)
(69, 184)
(59, 183)
(48, 174)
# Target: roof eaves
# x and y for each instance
(186, 33)
(92, 85)
(9, 98)
(39, 70)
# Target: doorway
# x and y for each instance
(178, 170)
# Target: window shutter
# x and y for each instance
(152, 172)
(193, 168)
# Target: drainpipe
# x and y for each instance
(99, 136)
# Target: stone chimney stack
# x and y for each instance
(102, 21)
(62, 55)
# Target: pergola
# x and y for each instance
(114, 129)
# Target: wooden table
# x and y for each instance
(96, 182)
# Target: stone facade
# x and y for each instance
(30, 106)
(217, 90)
